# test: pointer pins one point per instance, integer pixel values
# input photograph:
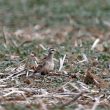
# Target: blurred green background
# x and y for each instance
(21, 13)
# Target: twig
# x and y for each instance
(62, 62)
(16, 65)
(75, 87)
(12, 92)
(83, 86)
(73, 100)
(4, 35)
(95, 44)
(10, 76)
(19, 74)
(42, 46)
(51, 95)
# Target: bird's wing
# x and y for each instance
(42, 62)
(40, 66)
(41, 69)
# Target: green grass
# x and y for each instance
(53, 12)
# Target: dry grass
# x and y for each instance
(80, 79)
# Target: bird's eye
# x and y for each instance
(51, 49)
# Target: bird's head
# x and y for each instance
(51, 51)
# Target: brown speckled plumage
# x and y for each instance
(47, 63)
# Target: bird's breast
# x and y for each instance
(49, 65)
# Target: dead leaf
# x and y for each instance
(91, 78)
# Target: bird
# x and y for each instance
(47, 63)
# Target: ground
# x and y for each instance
(79, 31)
